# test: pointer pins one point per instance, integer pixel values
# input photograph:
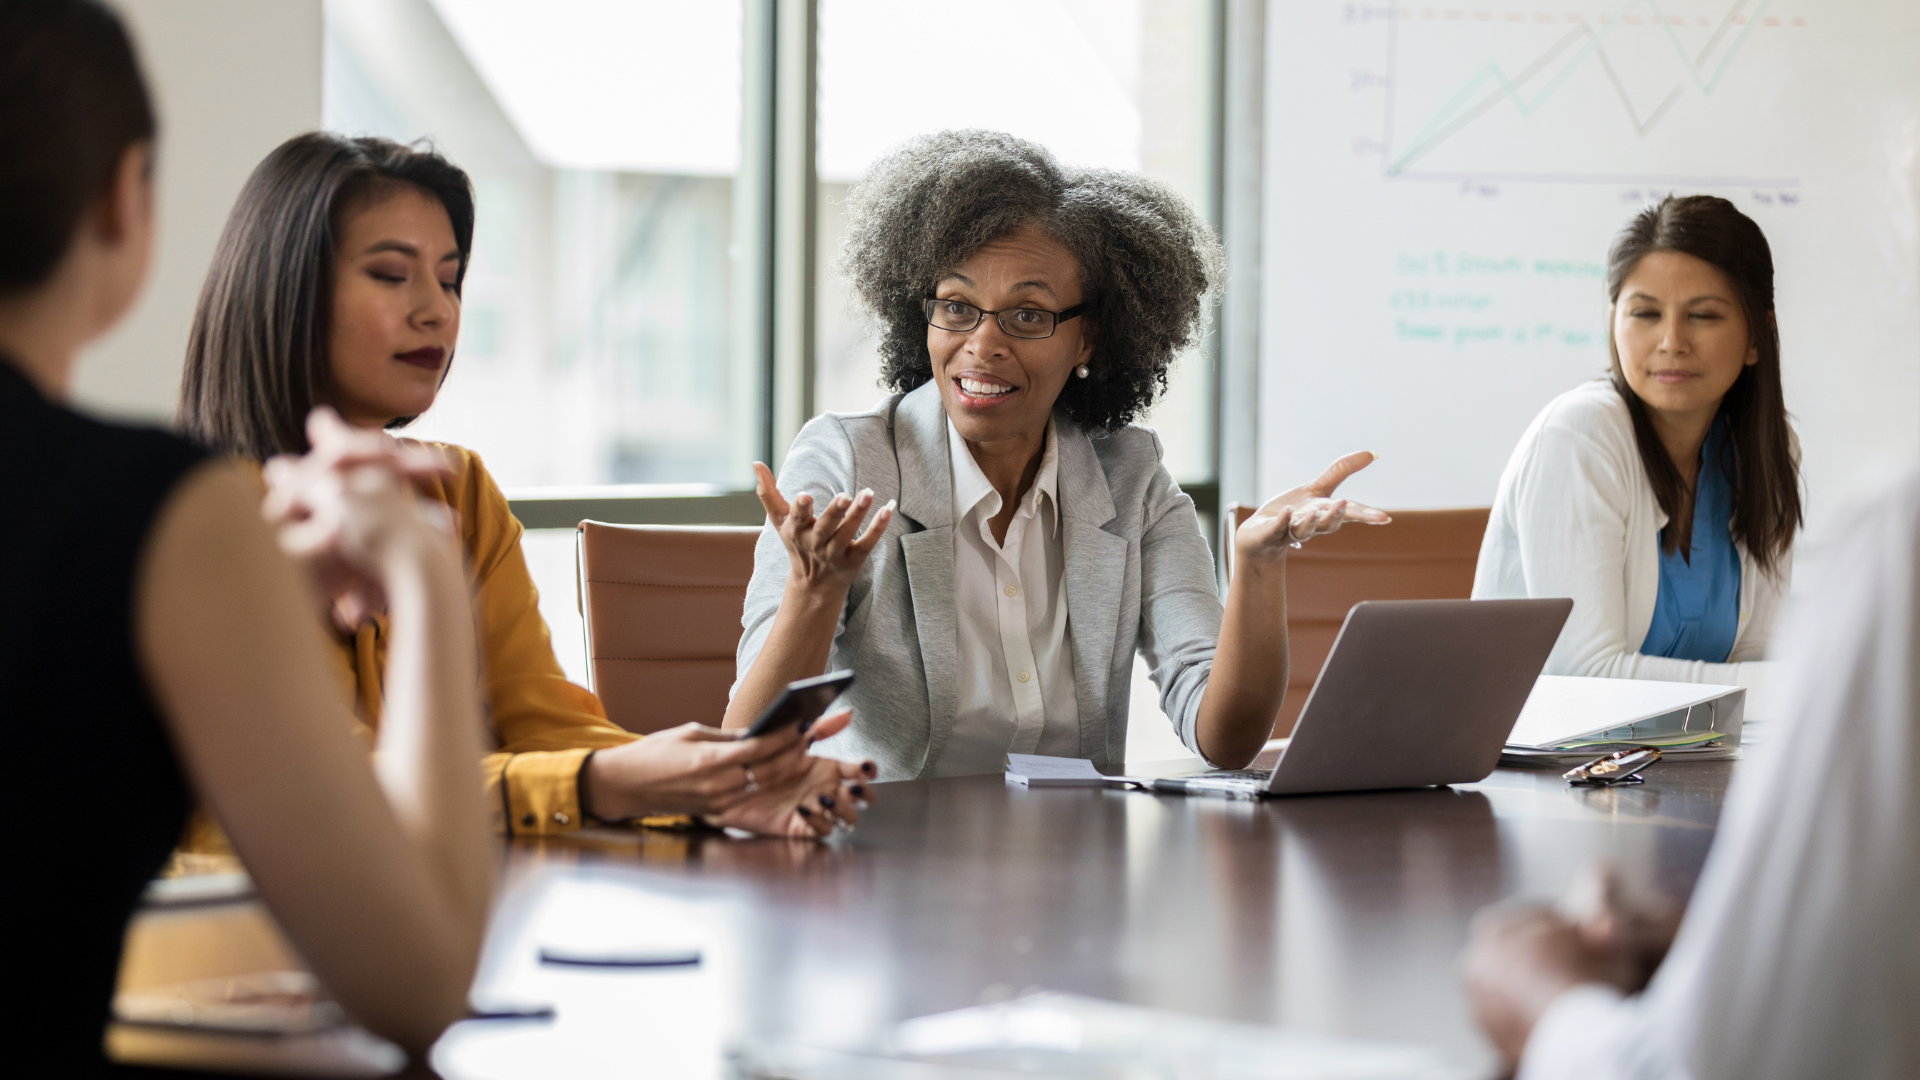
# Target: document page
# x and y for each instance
(1040, 770)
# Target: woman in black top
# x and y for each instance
(147, 615)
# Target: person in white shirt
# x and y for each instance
(1664, 499)
(1799, 955)
(1029, 539)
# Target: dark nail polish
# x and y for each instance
(826, 801)
(859, 791)
(870, 768)
(804, 812)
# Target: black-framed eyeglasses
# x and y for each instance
(1021, 322)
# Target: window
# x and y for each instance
(631, 340)
(603, 137)
(611, 311)
(1125, 84)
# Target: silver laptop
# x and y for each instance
(1414, 693)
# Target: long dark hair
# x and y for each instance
(257, 356)
(1766, 478)
(71, 102)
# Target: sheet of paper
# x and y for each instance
(1039, 770)
(1042, 767)
(1069, 1037)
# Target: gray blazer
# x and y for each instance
(1139, 577)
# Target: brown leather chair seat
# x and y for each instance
(662, 606)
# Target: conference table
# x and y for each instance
(1330, 915)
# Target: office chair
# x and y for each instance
(1423, 555)
(661, 609)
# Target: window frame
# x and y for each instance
(776, 223)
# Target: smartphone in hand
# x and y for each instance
(802, 703)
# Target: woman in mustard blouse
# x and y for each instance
(337, 282)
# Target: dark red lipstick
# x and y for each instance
(429, 357)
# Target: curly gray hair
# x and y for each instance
(1147, 261)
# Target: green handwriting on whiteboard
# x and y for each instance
(1460, 335)
(1570, 269)
(1466, 263)
(1424, 300)
(1468, 307)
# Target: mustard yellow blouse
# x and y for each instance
(544, 726)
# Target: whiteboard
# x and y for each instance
(1443, 180)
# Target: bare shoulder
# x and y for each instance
(213, 584)
(210, 553)
(215, 507)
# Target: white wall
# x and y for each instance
(232, 80)
(1434, 245)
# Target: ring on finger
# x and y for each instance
(1292, 540)
(752, 784)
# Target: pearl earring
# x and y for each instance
(1082, 371)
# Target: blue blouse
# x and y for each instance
(1697, 613)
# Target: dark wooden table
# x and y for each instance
(1341, 914)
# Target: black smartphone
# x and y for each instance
(802, 703)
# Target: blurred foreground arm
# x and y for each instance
(381, 874)
(1800, 951)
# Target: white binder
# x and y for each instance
(1570, 718)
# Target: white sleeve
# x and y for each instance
(1582, 1035)
(1800, 952)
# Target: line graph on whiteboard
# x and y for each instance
(1677, 93)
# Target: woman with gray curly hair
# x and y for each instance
(1031, 540)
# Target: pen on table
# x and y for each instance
(1181, 787)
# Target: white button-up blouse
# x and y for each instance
(1015, 682)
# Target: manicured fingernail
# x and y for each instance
(827, 801)
(891, 503)
(870, 768)
(859, 791)
(804, 812)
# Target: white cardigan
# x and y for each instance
(1575, 516)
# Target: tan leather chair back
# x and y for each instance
(661, 605)
(1423, 555)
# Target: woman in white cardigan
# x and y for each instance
(1599, 500)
